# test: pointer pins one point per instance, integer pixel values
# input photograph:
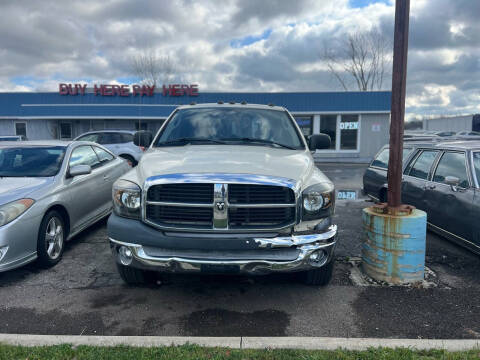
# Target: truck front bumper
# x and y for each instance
(260, 255)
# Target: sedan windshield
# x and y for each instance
(31, 161)
(231, 126)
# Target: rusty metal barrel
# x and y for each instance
(393, 248)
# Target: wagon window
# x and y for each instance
(452, 164)
(381, 160)
(420, 167)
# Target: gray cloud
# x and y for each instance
(50, 41)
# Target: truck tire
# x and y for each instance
(320, 276)
(131, 161)
(132, 276)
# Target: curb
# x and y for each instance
(308, 343)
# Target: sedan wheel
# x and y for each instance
(54, 238)
(51, 239)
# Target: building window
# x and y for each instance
(349, 132)
(328, 125)
(140, 126)
(65, 130)
(21, 128)
(305, 123)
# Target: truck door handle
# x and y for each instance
(105, 177)
(431, 187)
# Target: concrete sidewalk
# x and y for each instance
(309, 343)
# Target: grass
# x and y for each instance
(187, 352)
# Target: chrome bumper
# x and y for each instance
(323, 244)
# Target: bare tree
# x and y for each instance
(153, 70)
(362, 59)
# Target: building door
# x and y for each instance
(21, 129)
(328, 125)
(65, 131)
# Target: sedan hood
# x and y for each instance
(229, 159)
(14, 188)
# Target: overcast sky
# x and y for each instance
(238, 45)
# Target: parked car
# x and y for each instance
(443, 180)
(446, 133)
(12, 138)
(225, 188)
(49, 192)
(468, 135)
(119, 142)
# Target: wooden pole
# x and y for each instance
(399, 81)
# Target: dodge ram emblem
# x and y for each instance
(220, 205)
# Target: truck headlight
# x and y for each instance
(318, 201)
(14, 209)
(126, 199)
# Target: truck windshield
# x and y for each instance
(31, 161)
(230, 126)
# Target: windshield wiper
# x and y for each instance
(260, 141)
(188, 140)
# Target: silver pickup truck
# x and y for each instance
(225, 188)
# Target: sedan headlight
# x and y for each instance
(126, 199)
(14, 209)
(318, 201)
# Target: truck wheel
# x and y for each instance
(132, 276)
(131, 161)
(51, 239)
(320, 276)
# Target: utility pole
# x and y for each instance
(395, 228)
(399, 81)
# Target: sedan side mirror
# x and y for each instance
(453, 181)
(319, 141)
(143, 138)
(79, 170)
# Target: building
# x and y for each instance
(453, 123)
(357, 122)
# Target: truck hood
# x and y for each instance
(297, 165)
(14, 188)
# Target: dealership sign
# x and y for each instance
(127, 90)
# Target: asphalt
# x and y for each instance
(84, 295)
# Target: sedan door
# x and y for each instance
(415, 178)
(112, 168)
(450, 207)
(83, 190)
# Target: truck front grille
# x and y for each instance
(239, 218)
(259, 194)
(205, 206)
(180, 215)
(182, 193)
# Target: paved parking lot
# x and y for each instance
(84, 295)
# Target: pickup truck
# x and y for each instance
(225, 188)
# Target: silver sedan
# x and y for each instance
(49, 192)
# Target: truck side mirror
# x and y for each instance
(143, 138)
(319, 141)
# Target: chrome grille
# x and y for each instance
(260, 217)
(219, 206)
(180, 215)
(260, 194)
(182, 193)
